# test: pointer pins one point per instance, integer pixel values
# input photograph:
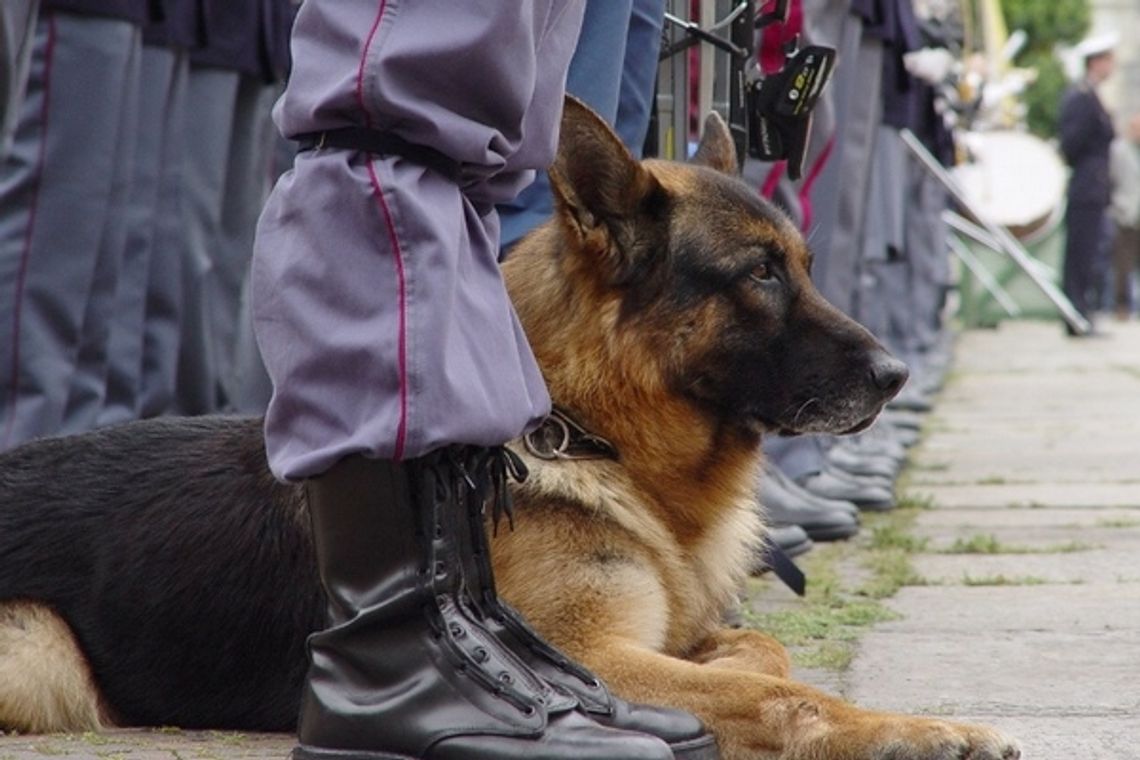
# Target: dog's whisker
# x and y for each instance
(803, 408)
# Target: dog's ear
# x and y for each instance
(717, 150)
(604, 192)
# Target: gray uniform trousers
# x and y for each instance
(929, 259)
(249, 177)
(226, 183)
(378, 302)
(253, 388)
(907, 259)
(882, 265)
(62, 194)
(839, 194)
(88, 391)
(17, 30)
(162, 325)
(144, 332)
(613, 70)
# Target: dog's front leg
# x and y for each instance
(757, 716)
(742, 650)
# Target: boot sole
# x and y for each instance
(701, 748)
(311, 753)
(831, 533)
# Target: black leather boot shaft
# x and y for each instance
(683, 732)
(402, 673)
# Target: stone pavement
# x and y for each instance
(1031, 464)
(147, 744)
(1023, 607)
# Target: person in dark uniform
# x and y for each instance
(1086, 134)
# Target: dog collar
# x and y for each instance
(560, 437)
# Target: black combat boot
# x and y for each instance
(402, 672)
(488, 471)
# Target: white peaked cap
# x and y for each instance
(1097, 44)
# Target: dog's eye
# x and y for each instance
(761, 273)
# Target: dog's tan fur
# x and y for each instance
(625, 564)
(628, 565)
(45, 684)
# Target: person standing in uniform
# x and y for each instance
(1086, 132)
(399, 369)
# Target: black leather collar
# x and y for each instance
(560, 437)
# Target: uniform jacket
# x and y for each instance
(250, 36)
(135, 11)
(1086, 134)
(176, 23)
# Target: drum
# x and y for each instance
(1016, 179)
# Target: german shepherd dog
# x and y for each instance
(157, 574)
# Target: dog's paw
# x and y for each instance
(939, 740)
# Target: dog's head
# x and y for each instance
(680, 281)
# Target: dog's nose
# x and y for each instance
(888, 373)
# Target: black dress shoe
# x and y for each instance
(773, 473)
(792, 539)
(879, 440)
(830, 485)
(820, 523)
(850, 460)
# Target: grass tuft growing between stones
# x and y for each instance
(1002, 580)
(987, 543)
(1118, 522)
(888, 548)
(822, 630)
(890, 536)
(847, 582)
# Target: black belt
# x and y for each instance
(381, 144)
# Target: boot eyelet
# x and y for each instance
(595, 683)
(440, 569)
(457, 630)
(529, 710)
(506, 678)
(481, 654)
